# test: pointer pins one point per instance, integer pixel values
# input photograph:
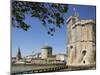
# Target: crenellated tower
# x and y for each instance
(81, 44)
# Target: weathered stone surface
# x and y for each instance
(81, 44)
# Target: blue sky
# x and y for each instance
(37, 36)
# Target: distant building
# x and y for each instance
(13, 59)
(61, 57)
(18, 57)
(37, 55)
(45, 57)
(29, 58)
(51, 59)
(46, 52)
(81, 43)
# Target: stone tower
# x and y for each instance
(46, 52)
(81, 43)
(18, 57)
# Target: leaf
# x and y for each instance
(48, 32)
(49, 21)
(52, 29)
(57, 14)
(24, 26)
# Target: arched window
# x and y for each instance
(84, 52)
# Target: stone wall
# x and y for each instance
(81, 43)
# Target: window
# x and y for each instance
(84, 61)
(71, 47)
(84, 52)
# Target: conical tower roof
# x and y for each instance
(18, 54)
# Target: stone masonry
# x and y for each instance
(81, 43)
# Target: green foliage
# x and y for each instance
(46, 12)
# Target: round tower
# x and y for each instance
(46, 52)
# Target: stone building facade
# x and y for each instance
(81, 45)
(46, 52)
(61, 57)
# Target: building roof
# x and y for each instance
(46, 47)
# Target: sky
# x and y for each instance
(36, 37)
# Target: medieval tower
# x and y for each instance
(18, 57)
(81, 43)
